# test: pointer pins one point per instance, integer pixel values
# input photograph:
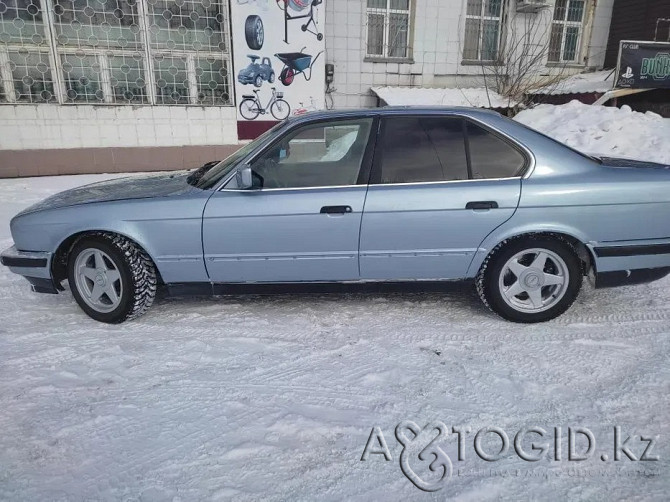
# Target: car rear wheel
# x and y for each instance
(530, 280)
(111, 278)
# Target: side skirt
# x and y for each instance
(209, 289)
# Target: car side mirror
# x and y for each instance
(244, 178)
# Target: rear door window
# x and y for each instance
(422, 149)
(491, 156)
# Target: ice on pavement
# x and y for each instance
(273, 398)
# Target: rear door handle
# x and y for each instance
(336, 209)
(482, 204)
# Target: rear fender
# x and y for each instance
(510, 230)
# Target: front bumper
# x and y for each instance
(33, 265)
(245, 79)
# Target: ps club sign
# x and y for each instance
(643, 65)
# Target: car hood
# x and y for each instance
(134, 187)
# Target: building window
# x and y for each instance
(25, 65)
(115, 52)
(566, 31)
(388, 28)
(483, 27)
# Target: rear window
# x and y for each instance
(424, 149)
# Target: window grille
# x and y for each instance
(134, 52)
(483, 30)
(566, 31)
(388, 23)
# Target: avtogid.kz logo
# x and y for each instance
(657, 67)
(424, 461)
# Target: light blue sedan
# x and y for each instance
(358, 198)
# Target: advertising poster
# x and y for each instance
(643, 65)
(278, 59)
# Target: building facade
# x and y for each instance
(438, 43)
(637, 20)
(122, 85)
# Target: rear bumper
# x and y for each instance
(35, 266)
(629, 277)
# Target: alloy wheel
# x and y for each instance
(98, 280)
(533, 280)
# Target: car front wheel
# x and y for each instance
(530, 280)
(111, 278)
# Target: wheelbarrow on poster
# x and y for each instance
(296, 63)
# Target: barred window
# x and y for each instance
(388, 23)
(25, 65)
(483, 30)
(115, 52)
(566, 31)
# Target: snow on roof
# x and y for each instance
(598, 81)
(477, 97)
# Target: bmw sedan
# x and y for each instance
(388, 195)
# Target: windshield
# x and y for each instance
(219, 171)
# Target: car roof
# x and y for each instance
(394, 110)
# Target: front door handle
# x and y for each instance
(335, 209)
(482, 204)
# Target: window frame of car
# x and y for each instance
(524, 172)
(366, 161)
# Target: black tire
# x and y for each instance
(271, 78)
(487, 281)
(138, 276)
(258, 81)
(286, 76)
(254, 33)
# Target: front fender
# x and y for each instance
(168, 229)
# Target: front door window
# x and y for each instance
(316, 155)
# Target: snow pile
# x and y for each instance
(600, 130)
(478, 97)
(597, 81)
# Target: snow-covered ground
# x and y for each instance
(604, 130)
(274, 398)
